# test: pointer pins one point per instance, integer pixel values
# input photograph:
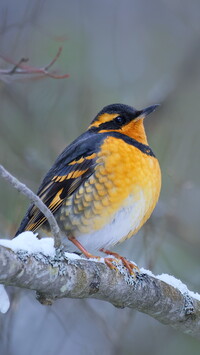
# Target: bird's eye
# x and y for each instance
(120, 120)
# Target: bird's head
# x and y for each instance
(124, 119)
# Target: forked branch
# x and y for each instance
(20, 68)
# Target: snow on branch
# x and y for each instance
(20, 68)
(35, 265)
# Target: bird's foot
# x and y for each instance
(109, 261)
(82, 249)
(131, 267)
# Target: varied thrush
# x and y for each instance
(104, 186)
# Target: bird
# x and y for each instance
(104, 185)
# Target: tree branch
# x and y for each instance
(37, 201)
(62, 277)
(20, 68)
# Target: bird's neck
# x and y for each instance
(136, 131)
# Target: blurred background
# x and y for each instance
(135, 52)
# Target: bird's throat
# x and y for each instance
(136, 131)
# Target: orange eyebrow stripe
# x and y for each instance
(105, 117)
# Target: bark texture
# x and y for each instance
(79, 278)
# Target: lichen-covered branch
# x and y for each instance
(60, 277)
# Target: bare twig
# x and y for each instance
(79, 278)
(20, 68)
(37, 201)
(54, 59)
(16, 66)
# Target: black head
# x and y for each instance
(116, 116)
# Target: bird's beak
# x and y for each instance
(146, 111)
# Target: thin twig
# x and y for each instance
(22, 69)
(54, 59)
(16, 66)
(37, 201)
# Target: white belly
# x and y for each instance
(125, 220)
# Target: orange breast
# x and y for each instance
(124, 177)
(128, 170)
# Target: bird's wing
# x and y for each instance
(71, 169)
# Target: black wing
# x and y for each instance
(73, 166)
